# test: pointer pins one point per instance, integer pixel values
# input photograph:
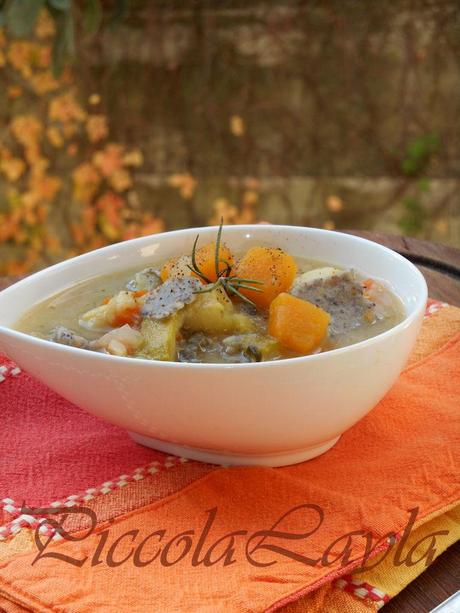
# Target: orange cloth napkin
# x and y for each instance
(403, 456)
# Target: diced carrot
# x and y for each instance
(127, 316)
(206, 260)
(297, 324)
(367, 283)
(275, 268)
(137, 294)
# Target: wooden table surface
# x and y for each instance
(441, 268)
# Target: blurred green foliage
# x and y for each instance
(419, 154)
(20, 17)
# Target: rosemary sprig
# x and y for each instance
(194, 266)
(231, 284)
(217, 251)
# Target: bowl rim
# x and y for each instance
(403, 324)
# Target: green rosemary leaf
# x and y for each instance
(241, 280)
(199, 273)
(244, 286)
(205, 290)
(194, 264)
(226, 272)
(217, 251)
(230, 284)
(243, 298)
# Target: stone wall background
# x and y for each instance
(332, 113)
(358, 100)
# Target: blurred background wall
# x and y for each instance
(127, 118)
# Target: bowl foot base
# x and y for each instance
(228, 459)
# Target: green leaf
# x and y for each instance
(419, 153)
(409, 166)
(60, 5)
(21, 16)
(423, 146)
(92, 16)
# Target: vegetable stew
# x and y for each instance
(217, 306)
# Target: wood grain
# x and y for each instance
(441, 268)
(441, 264)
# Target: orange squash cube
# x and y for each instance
(297, 324)
(206, 260)
(274, 268)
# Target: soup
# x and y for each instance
(215, 306)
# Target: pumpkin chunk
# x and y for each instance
(176, 268)
(274, 268)
(297, 324)
(206, 260)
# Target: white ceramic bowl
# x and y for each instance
(270, 413)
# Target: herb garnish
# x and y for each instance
(230, 284)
